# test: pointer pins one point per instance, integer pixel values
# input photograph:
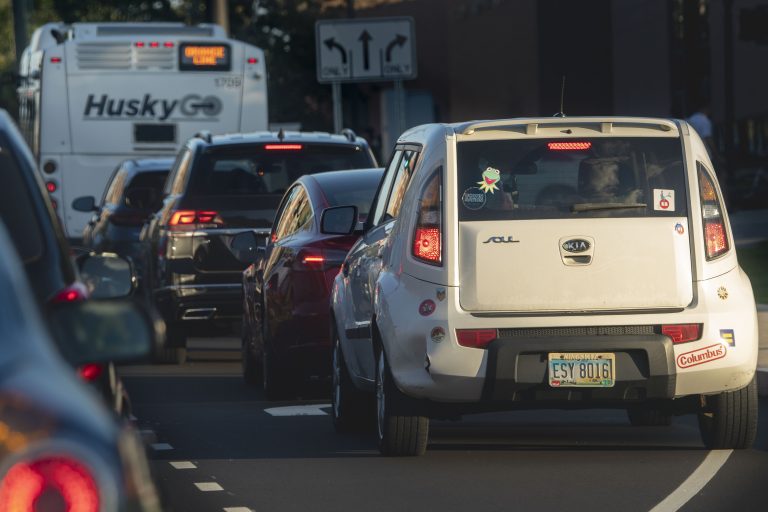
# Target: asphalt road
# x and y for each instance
(219, 445)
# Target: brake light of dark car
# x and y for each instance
(682, 333)
(715, 235)
(283, 147)
(90, 372)
(194, 219)
(569, 146)
(475, 338)
(72, 293)
(428, 234)
(60, 480)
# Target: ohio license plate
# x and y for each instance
(580, 369)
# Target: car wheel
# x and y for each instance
(350, 406)
(274, 379)
(174, 351)
(252, 367)
(400, 430)
(640, 416)
(729, 420)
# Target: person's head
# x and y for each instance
(599, 177)
(611, 147)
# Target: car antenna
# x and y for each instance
(281, 135)
(562, 98)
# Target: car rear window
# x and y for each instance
(357, 189)
(256, 169)
(571, 178)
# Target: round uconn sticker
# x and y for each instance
(473, 198)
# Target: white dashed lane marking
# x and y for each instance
(159, 447)
(238, 509)
(208, 486)
(183, 464)
(299, 410)
(695, 482)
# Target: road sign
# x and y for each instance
(365, 49)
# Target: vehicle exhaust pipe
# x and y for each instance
(198, 314)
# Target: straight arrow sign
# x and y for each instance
(366, 38)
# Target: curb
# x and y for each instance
(762, 382)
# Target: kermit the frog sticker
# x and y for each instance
(490, 177)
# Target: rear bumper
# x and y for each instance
(514, 370)
(517, 368)
(201, 308)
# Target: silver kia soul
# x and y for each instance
(554, 262)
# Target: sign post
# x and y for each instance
(366, 50)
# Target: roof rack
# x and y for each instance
(349, 134)
(205, 135)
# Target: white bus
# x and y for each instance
(94, 94)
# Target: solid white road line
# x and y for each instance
(183, 464)
(159, 447)
(695, 482)
(238, 509)
(299, 410)
(208, 486)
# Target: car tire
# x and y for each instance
(400, 429)
(174, 351)
(252, 368)
(275, 382)
(350, 407)
(729, 419)
(640, 416)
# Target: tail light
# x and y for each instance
(428, 234)
(182, 220)
(682, 333)
(72, 293)
(51, 186)
(90, 372)
(475, 338)
(715, 234)
(283, 147)
(52, 483)
(569, 146)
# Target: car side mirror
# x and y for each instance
(107, 276)
(248, 246)
(339, 220)
(101, 331)
(85, 204)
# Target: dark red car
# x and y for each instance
(286, 292)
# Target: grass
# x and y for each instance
(754, 260)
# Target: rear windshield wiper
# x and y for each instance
(587, 207)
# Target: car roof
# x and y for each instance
(137, 165)
(347, 138)
(333, 177)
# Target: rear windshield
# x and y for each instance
(358, 189)
(573, 178)
(254, 169)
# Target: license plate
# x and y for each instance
(582, 370)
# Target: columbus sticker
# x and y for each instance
(702, 355)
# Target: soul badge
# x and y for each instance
(427, 307)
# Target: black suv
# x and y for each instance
(218, 187)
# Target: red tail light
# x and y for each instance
(253, 60)
(715, 236)
(312, 259)
(475, 338)
(191, 219)
(569, 146)
(428, 235)
(283, 147)
(682, 333)
(139, 44)
(154, 44)
(168, 44)
(36, 485)
(73, 293)
(56, 60)
(51, 186)
(426, 244)
(90, 372)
